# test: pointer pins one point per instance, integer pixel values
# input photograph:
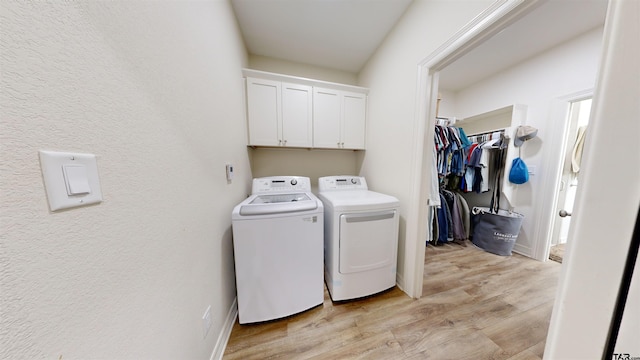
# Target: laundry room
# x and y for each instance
(476, 104)
(141, 264)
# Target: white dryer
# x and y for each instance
(360, 237)
(277, 242)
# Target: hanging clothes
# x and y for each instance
(485, 159)
(443, 222)
(465, 213)
(463, 164)
(474, 168)
(434, 198)
(457, 225)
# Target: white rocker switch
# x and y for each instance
(70, 179)
(76, 179)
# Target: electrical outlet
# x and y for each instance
(206, 321)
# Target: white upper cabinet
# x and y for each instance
(298, 112)
(338, 119)
(327, 113)
(264, 104)
(279, 114)
(297, 121)
(354, 115)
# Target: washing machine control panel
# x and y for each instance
(273, 184)
(332, 183)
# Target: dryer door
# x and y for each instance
(368, 240)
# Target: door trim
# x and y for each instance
(560, 112)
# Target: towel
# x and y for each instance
(576, 154)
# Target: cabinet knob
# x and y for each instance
(342, 144)
(285, 143)
(279, 142)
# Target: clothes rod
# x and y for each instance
(487, 133)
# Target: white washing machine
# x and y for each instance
(360, 237)
(277, 242)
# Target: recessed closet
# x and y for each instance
(473, 157)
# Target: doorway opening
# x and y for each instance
(578, 118)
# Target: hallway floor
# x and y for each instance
(475, 305)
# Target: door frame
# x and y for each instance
(560, 111)
(494, 19)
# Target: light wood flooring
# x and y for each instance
(475, 305)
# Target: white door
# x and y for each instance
(579, 119)
(264, 112)
(354, 115)
(297, 115)
(327, 115)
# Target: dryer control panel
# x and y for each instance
(334, 183)
(275, 184)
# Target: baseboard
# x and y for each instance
(400, 281)
(223, 338)
(522, 250)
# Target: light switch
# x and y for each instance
(229, 168)
(70, 179)
(531, 169)
(76, 179)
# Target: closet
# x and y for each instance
(473, 157)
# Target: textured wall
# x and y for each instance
(391, 76)
(154, 90)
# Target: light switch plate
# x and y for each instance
(229, 169)
(531, 169)
(59, 181)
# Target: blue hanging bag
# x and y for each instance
(519, 173)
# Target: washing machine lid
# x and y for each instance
(357, 200)
(277, 203)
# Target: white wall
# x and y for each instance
(606, 211)
(279, 66)
(148, 88)
(391, 76)
(538, 83)
(447, 108)
(303, 162)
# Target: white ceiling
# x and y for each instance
(549, 25)
(335, 34)
(343, 34)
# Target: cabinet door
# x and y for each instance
(264, 113)
(327, 115)
(354, 116)
(297, 111)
